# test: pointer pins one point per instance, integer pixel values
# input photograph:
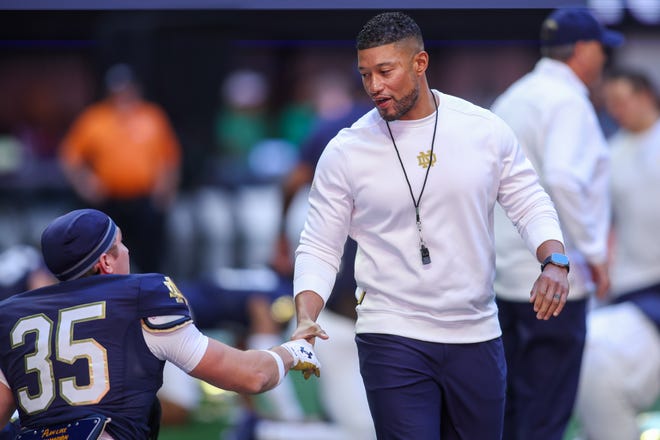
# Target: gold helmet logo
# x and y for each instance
(549, 29)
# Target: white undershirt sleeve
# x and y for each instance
(184, 346)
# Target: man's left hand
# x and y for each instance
(550, 292)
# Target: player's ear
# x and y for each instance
(104, 264)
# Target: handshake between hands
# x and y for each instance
(304, 358)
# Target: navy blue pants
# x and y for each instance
(543, 359)
(429, 391)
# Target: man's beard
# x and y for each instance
(402, 106)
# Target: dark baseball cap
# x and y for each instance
(72, 243)
(572, 24)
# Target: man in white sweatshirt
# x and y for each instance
(414, 183)
(550, 112)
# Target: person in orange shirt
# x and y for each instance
(122, 156)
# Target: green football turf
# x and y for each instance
(219, 410)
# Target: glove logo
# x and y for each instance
(304, 358)
(309, 354)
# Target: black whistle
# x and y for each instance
(426, 256)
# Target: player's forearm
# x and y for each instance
(231, 369)
(268, 369)
(255, 371)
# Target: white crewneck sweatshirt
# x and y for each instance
(359, 189)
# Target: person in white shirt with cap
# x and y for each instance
(550, 112)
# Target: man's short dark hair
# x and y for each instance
(387, 28)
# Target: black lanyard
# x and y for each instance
(426, 256)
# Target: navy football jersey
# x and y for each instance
(76, 348)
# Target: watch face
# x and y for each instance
(559, 259)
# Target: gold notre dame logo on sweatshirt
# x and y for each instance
(424, 159)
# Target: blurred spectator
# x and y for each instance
(41, 93)
(122, 156)
(243, 120)
(254, 143)
(338, 105)
(298, 114)
(22, 268)
(550, 112)
(621, 367)
(238, 207)
(235, 186)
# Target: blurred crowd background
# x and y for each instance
(239, 93)
(241, 89)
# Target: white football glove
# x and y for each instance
(304, 358)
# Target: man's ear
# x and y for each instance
(104, 264)
(421, 62)
(578, 48)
